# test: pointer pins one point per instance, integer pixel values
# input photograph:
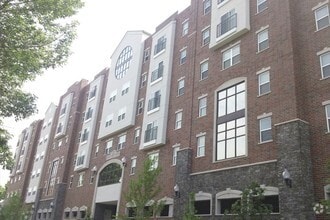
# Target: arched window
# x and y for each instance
(111, 174)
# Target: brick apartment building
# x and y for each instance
(223, 94)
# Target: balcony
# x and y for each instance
(227, 25)
(154, 103)
(158, 73)
(160, 46)
(150, 134)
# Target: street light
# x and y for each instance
(287, 178)
(176, 191)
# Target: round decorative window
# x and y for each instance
(123, 62)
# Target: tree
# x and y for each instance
(34, 36)
(2, 192)
(251, 205)
(190, 212)
(6, 159)
(143, 190)
(14, 209)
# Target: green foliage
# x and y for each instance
(34, 36)
(14, 209)
(143, 190)
(3, 192)
(251, 205)
(190, 211)
(6, 157)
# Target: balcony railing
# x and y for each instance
(160, 46)
(227, 25)
(156, 74)
(154, 103)
(150, 134)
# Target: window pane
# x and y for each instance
(221, 149)
(230, 125)
(221, 136)
(240, 142)
(240, 122)
(222, 108)
(203, 207)
(265, 123)
(240, 131)
(230, 148)
(231, 133)
(231, 105)
(266, 135)
(264, 88)
(240, 101)
(321, 12)
(221, 127)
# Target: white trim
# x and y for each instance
(201, 134)
(233, 167)
(203, 61)
(292, 120)
(262, 29)
(264, 69)
(202, 96)
(230, 46)
(323, 51)
(179, 110)
(320, 4)
(326, 102)
(264, 115)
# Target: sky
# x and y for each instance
(103, 23)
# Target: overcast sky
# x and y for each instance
(103, 23)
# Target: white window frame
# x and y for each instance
(137, 134)
(262, 82)
(327, 115)
(229, 55)
(108, 147)
(259, 3)
(176, 148)
(154, 157)
(202, 106)
(185, 27)
(113, 96)
(133, 166)
(81, 179)
(263, 36)
(178, 119)
(108, 120)
(140, 106)
(206, 35)
(180, 87)
(201, 145)
(121, 141)
(206, 6)
(143, 81)
(323, 65)
(183, 56)
(265, 129)
(204, 69)
(325, 7)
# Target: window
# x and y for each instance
(89, 113)
(111, 174)
(322, 17)
(108, 120)
(175, 154)
(125, 88)
(264, 83)
(133, 166)
(81, 179)
(265, 126)
(178, 120)
(85, 135)
(96, 150)
(92, 93)
(113, 96)
(180, 87)
(63, 110)
(92, 178)
(263, 42)
(325, 65)
(183, 56)
(136, 136)
(204, 69)
(261, 5)
(146, 55)
(80, 160)
(151, 132)
(154, 102)
(52, 177)
(185, 28)
(225, 200)
(121, 114)
(154, 160)
(202, 104)
(231, 57)
(140, 107)
(327, 113)
(230, 122)
(108, 147)
(228, 22)
(123, 62)
(206, 36)
(201, 146)
(160, 46)
(121, 142)
(71, 181)
(158, 73)
(203, 203)
(206, 6)
(59, 128)
(143, 81)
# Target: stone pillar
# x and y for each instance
(182, 178)
(293, 143)
(59, 202)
